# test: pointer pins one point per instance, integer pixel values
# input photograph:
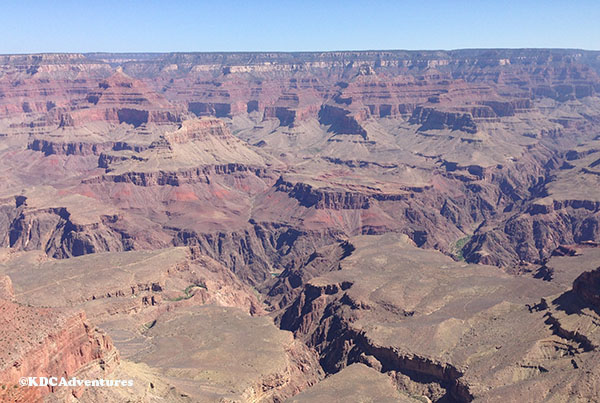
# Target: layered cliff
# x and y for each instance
(460, 332)
(338, 191)
(49, 342)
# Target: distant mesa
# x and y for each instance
(314, 226)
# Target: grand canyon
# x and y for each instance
(374, 226)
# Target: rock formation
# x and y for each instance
(49, 342)
(430, 215)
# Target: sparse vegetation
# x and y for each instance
(187, 293)
(420, 398)
(413, 396)
(457, 249)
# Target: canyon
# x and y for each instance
(236, 227)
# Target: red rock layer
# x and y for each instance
(47, 342)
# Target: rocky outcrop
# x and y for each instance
(254, 252)
(356, 382)
(136, 284)
(285, 115)
(392, 312)
(430, 118)
(564, 92)
(9, 211)
(587, 287)
(49, 342)
(535, 234)
(53, 231)
(286, 287)
(219, 110)
(198, 130)
(509, 108)
(79, 148)
(323, 198)
(49, 148)
(319, 198)
(323, 316)
(61, 235)
(215, 340)
(181, 177)
(340, 121)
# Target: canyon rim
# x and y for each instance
(306, 227)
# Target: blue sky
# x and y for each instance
(28, 26)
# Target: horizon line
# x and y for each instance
(136, 52)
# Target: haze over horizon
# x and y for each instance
(156, 26)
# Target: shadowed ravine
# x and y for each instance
(404, 225)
